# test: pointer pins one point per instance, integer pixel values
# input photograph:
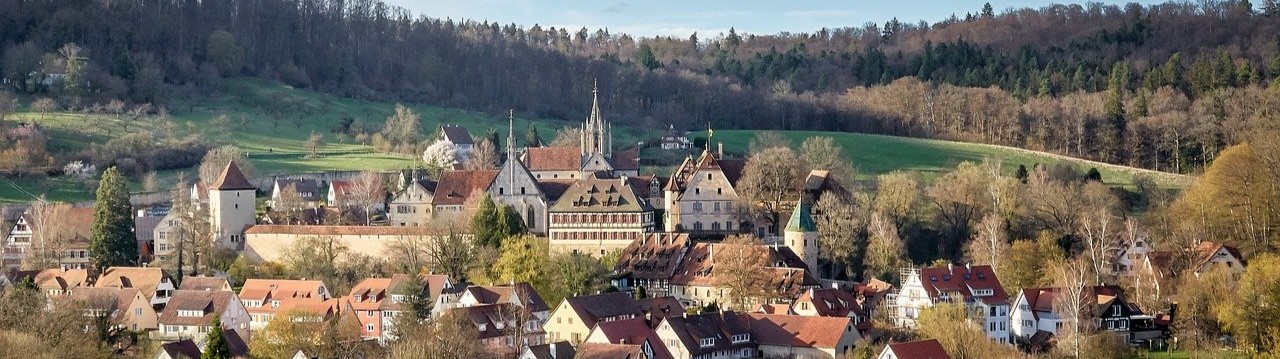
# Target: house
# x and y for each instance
(594, 153)
(349, 195)
(308, 191)
(598, 215)
(975, 286)
(191, 348)
(674, 140)
(831, 302)
(795, 336)
(269, 242)
(923, 349)
(68, 246)
(700, 197)
(412, 206)
(264, 298)
(53, 282)
(657, 308)
(820, 182)
(205, 284)
(708, 335)
(556, 350)
(459, 138)
(232, 207)
(515, 186)
(650, 263)
(1036, 310)
(519, 294)
(376, 302)
(190, 313)
(144, 227)
(165, 236)
(1210, 255)
(610, 351)
(500, 327)
(155, 284)
(575, 317)
(633, 331)
(125, 307)
(458, 191)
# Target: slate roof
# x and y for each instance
(553, 189)
(145, 227)
(660, 307)
(503, 294)
(232, 179)
(210, 303)
(562, 350)
(632, 331)
(609, 351)
(797, 331)
(600, 195)
(458, 135)
(182, 349)
(455, 187)
(721, 326)
(628, 160)
(605, 306)
(924, 349)
(964, 280)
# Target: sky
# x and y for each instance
(708, 17)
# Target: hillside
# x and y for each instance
(876, 154)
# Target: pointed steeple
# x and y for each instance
(511, 135)
(596, 137)
(231, 179)
(801, 219)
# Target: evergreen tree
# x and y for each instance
(216, 346)
(987, 11)
(1113, 136)
(113, 242)
(1046, 90)
(1021, 174)
(508, 223)
(645, 57)
(531, 138)
(484, 223)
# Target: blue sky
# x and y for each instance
(707, 17)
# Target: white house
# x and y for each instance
(975, 286)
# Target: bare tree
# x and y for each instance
(898, 196)
(289, 206)
(1073, 306)
(1099, 226)
(822, 153)
(990, 244)
(885, 249)
(216, 160)
(772, 178)
(567, 137)
(838, 223)
(368, 189)
(314, 143)
(483, 157)
(740, 268)
(51, 233)
(765, 140)
(193, 236)
(8, 104)
(44, 105)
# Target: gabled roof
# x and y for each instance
(801, 219)
(504, 294)
(553, 189)
(205, 283)
(831, 302)
(609, 351)
(797, 331)
(456, 187)
(566, 158)
(276, 289)
(632, 331)
(375, 293)
(600, 195)
(1205, 251)
(308, 189)
(924, 349)
(211, 304)
(660, 307)
(654, 256)
(605, 306)
(488, 317)
(145, 226)
(458, 135)
(557, 350)
(182, 349)
(52, 279)
(231, 179)
(961, 279)
(722, 326)
(146, 279)
(104, 298)
(789, 273)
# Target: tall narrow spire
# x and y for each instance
(511, 135)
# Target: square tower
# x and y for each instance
(231, 206)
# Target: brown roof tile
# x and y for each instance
(797, 331)
(608, 351)
(210, 304)
(232, 179)
(962, 279)
(146, 279)
(924, 349)
(455, 187)
(654, 256)
(600, 195)
(205, 283)
(553, 159)
(553, 189)
(604, 307)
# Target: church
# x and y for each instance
(594, 153)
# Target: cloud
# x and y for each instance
(819, 13)
(617, 8)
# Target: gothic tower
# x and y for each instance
(596, 133)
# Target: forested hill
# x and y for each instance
(1163, 87)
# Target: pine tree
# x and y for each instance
(987, 11)
(531, 138)
(216, 346)
(113, 242)
(1113, 137)
(508, 223)
(1046, 90)
(483, 223)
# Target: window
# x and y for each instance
(706, 342)
(137, 311)
(717, 206)
(368, 327)
(697, 206)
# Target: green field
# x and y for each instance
(272, 122)
(874, 155)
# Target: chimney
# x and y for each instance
(552, 348)
(810, 293)
(720, 149)
(622, 341)
(966, 266)
(711, 248)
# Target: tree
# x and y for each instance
(440, 155)
(644, 57)
(764, 140)
(215, 344)
(216, 160)
(1099, 226)
(898, 196)
(483, 157)
(193, 237)
(50, 234)
(1074, 305)
(1200, 299)
(960, 197)
(960, 336)
(990, 245)
(367, 190)
(1253, 308)
(401, 131)
(822, 153)
(531, 138)
(44, 105)
(885, 249)
(314, 143)
(224, 53)
(449, 335)
(838, 228)
(113, 242)
(522, 260)
(289, 204)
(567, 137)
(450, 254)
(987, 11)
(484, 223)
(573, 274)
(76, 73)
(508, 223)
(772, 178)
(741, 268)
(1029, 262)
(316, 257)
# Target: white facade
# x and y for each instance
(706, 202)
(913, 298)
(231, 211)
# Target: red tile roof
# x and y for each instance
(628, 160)
(232, 179)
(633, 331)
(608, 351)
(456, 187)
(205, 283)
(797, 331)
(924, 349)
(209, 303)
(654, 256)
(333, 230)
(963, 280)
(553, 159)
(831, 302)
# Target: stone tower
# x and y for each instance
(231, 206)
(801, 235)
(516, 187)
(596, 138)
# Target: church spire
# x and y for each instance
(511, 135)
(596, 137)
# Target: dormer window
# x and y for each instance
(275, 304)
(706, 342)
(741, 338)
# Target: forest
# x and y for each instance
(1165, 87)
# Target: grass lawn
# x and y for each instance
(1213, 354)
(875, 154)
